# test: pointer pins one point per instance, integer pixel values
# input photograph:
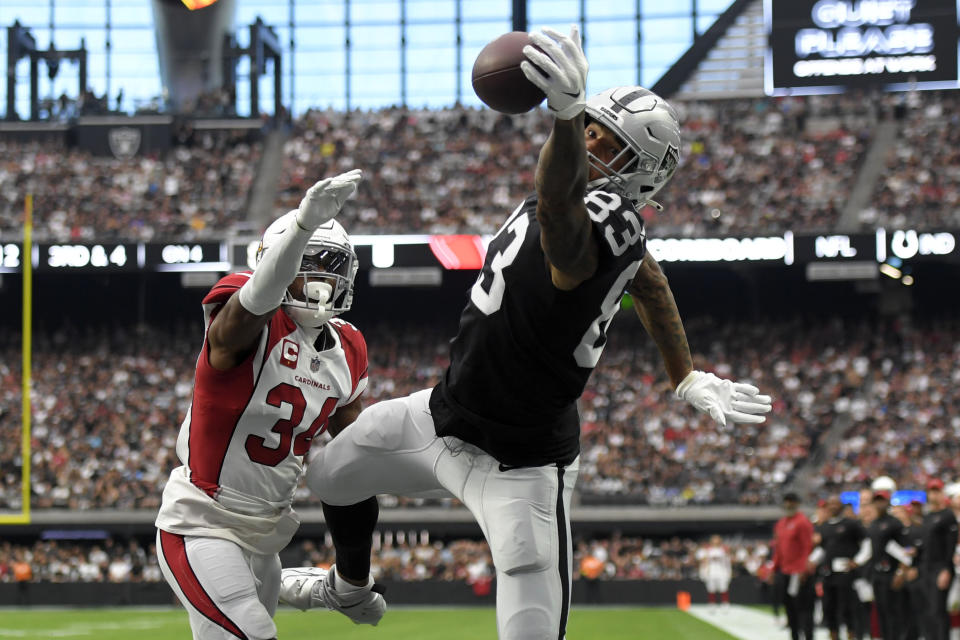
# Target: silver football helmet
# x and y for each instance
(328, 266)
(649, 129)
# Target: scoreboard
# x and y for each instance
(847, 255)
(117, 257)
(822, 46)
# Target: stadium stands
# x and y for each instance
(905, 418)
(448, 171)
(460, 170)
(641, 446)
(749, 167)
(196, 190)
(104, 428)
(396, 558)
(754, 167)
(920, 186)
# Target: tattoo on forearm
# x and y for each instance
(661, 318)
(664, 320)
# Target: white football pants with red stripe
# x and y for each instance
(524, 513)
(228, 591)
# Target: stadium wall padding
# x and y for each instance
(743, 590)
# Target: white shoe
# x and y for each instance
(311, 587)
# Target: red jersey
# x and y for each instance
(792, 543)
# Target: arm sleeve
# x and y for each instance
(865, 553)
(898, 552)
(277, 268)
(817, 555)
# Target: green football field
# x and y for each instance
(399, 624)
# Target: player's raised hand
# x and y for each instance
(557, 65)
(324, 199)
(724, 400)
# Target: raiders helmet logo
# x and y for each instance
(124, 142)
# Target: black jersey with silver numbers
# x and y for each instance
(525, 349)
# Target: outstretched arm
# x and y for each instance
(234, 331)
(659, 315)
(566, 233)
(557, 65)
(722, 400)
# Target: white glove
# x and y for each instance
(560, 71)
(324, 199)
(724, 400)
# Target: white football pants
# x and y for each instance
(717, 582)
(523, 513)
(228, 591)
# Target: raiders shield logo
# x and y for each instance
(315, 363)
(124, 142)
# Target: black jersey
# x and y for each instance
(840, 539)
(913, 539)
(884, 529)
(939, 540)
(525, 349)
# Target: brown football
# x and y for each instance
(498, 79)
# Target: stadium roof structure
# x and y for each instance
(725, 62)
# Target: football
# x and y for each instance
(498, 79)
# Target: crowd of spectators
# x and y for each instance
(747, 167)
(641, 446)
(107, 406)
(197, 189)
(905, 420)
(106, 409)
(105, 560)
(919, 187)
(760, 167)
(454, 170)
(397, 556)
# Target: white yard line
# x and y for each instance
(82, 629)
(746, 623)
